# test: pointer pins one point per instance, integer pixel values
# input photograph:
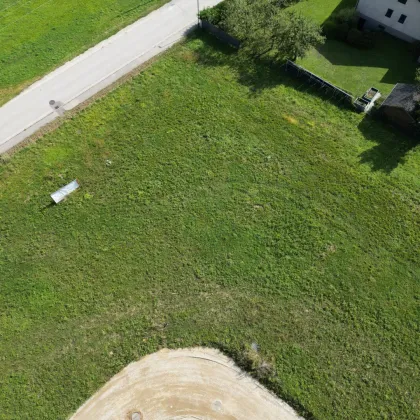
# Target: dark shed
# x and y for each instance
(401, 104)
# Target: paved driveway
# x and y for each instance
(97, 68)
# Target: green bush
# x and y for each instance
(286, 3)
(368, 39)
(338, 31)
(342, 31)
(264, 28)
(417, 76)
(415, 48)
(330, 30)
(360, 39)
(214, 15)
(347, 15)
(354, 37)
(340, 23)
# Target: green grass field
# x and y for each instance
(321, 10)
(357, 70)
(38, 35)
(235, 209)
(353, 69)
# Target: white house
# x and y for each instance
(400, 18)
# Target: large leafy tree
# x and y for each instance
(251, 21)
(264, 27)
(295, 35)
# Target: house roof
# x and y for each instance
(404, 96)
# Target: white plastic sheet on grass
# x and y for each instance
(63, 192)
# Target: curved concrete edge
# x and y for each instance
(196, 383)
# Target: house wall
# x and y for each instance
(374, 12)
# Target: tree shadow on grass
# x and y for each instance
(258, 74)
(391, 148)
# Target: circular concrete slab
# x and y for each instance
(198, 383)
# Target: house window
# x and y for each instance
(402, 1)
(402, 18)
(389, 13)
(381, 27)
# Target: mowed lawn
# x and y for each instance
(321, 10)
(219, 206)
(391, 61)
(38, 35)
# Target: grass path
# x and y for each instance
(37, 36)
(236, 209)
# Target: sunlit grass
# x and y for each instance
(219, 205)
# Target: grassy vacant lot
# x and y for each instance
(38, 35)
(355, 70)
(234, 209)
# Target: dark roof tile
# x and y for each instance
(404, 96)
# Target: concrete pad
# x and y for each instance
(198, 383)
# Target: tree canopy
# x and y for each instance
(266, 27)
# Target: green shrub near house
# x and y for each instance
(342, 26)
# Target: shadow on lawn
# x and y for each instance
(389, 53)
(344, 4)
(257, 74)
(391, 148)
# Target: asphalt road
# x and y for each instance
(97, 68)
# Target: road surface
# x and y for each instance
(97, 68)
(198, 383)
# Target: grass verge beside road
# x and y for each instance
(38, 35)
(219, 206)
